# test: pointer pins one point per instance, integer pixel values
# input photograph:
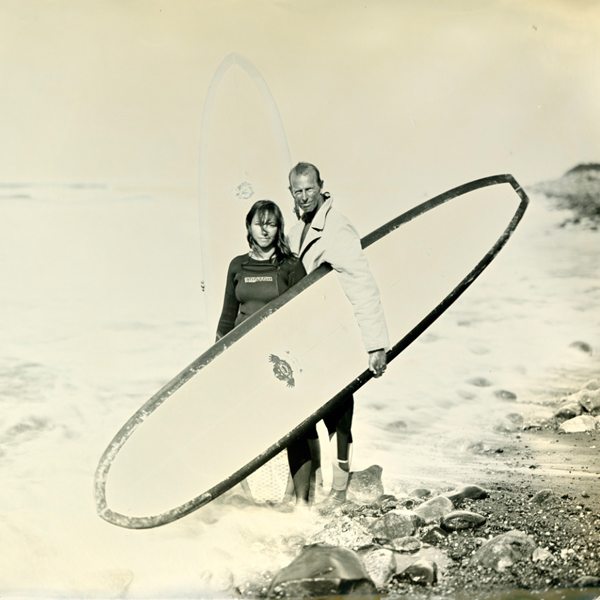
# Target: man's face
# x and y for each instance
(306, 191)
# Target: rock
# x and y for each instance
(587, 581)
(541, 555)
(470, 492)
(581, 346)
(380, 565)
(543, 496)
(569, 410)
(420, 493)
(505, 395)
(504, 551)
(432, 510)
(462, 519)
(578, 424)
(433, 535)
(394, 524)
(590, 400)
(321, 570)
(592, 384)
(422, 571)
(365, 487)
(480, 382)
(342, 531)
(406, 544)
(386, 502)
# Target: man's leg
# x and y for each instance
(339, 422)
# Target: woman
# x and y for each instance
(253, 280)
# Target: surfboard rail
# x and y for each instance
(255, 320)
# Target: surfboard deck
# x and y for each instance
(244, 157)
(306, 353)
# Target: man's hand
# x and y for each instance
(377, 362)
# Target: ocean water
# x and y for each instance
(102, 304)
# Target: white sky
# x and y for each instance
(402, 94)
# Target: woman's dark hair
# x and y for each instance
(265, 209)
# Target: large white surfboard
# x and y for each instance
(283, 367)
(244, 157)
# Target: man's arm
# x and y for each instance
(346, 256)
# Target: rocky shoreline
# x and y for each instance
(531, 529)
(577, 191)
(528, 528)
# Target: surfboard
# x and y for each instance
(286, 365)
(244, 157)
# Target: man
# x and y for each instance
(323, 235)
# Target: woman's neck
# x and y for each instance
(260, 254)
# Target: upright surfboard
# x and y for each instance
(244, 157)
(284, 367)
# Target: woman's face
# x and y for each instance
(263, 229)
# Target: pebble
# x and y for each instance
(569, 410)
(433, 535)
(394, 524)
(462, 519)
(504, 550)
(587, 581)
(406, 544)
(541, 555)
(580, 424)
(342, 531)
(422, 571)
(505, 395)
(543, 496)
(469, 492)
(432, 510)
(380, 565)
(582, 346)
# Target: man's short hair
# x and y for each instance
(302, 168)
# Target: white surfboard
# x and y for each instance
(244, 157)
(283, 367)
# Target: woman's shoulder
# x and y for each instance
(237, 261)
(291, 263)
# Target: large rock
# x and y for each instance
(504, 551)
(432, 510)
(365, 486)
(579, 424)
(321, 570)
(394, 524)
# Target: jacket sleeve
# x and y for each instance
(346, 256)
(231, 305)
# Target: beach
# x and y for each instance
(472, 402)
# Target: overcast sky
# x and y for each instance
(423, 94)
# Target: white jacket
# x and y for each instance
(332, 239)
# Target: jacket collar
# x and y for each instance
(319, 219)
(316, 226)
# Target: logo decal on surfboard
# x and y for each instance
(244, 190)
(282, 370)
